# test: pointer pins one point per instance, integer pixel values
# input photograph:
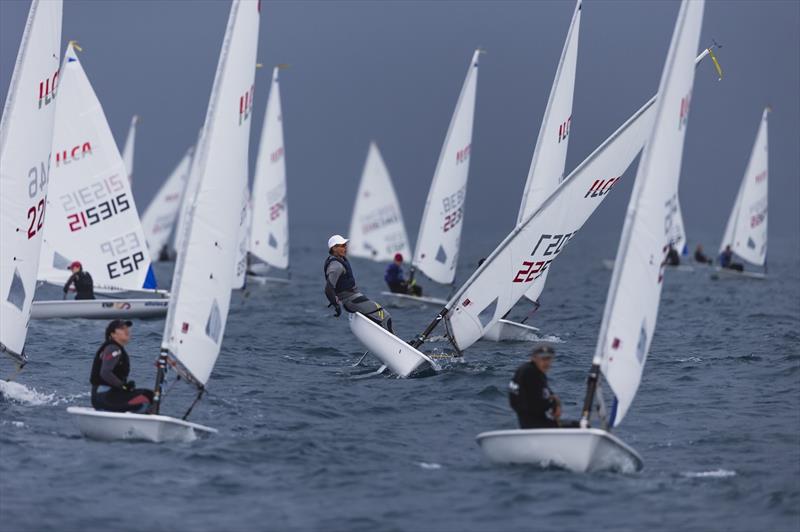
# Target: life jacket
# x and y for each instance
(346, 281)
(121, 370)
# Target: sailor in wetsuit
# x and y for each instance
(396, 280)
(673, 258)
(84, 286)
(111, 389)
(340, 286)
(536, 405)
(700, 256)
(726, 260)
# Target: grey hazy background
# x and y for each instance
(391, 71)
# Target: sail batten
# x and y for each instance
(377, 229)
(633, 298)
(269, 234)
(202, 281)
(439, 239)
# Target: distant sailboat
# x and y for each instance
(377, 231)
(269, 232)
(633, 298)
(92, 216)
(746, 230)
(202, 281)
(127, 151)
(548, 163)
(439, 238)
(161, 216)
(26, 134)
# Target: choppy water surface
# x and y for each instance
(305, 444)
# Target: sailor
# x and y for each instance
(396, 280)
(84, 286)
(726, 260)
(163, 254)
(340, 286)
(111, 389)
(699, 256)
(536, 405)
(673, 258)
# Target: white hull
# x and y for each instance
(265, 279)
(116, 426)
(577, 450)
(402, 298)
(100, 309)
(609, 264)
(509, 331)
(727, 273)
(393, 352)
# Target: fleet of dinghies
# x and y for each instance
(63, 159)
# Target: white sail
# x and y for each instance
(439, 236)
(550, 154)
(245, 221)
(127, 151)
(26, 132)
(746, 231)
(516, 266)
(202, 281)
(635, 290)
(677, 236)
(377, 229)
(161, 215)
(187, 204)
(269, 236)
(91, 213)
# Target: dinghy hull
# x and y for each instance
(510, 331)
(394, 353)
(100, 309)
(265, 279)
(125, 426)
(577, 450)
(406, 298)
(727, 273)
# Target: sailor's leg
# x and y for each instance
(361, 303)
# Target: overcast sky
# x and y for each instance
(391, 71)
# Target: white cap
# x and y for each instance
(336, 240)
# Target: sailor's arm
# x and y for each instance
(110, 358)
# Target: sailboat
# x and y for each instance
(746, 231)
(92, 215)
(201, 284)
(514, 268)
(26, 134)
(160, 216)
(377, 231)
(439, 237)
(633, 298)
(547, 165)
(269, 232)
(127, 150)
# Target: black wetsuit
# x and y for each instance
(700, 257)
(673, 259)
(110, 371)
(531, 398)
(84, 286)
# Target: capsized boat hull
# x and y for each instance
(100, 309)
(727, 273)
(509, 331)
(394, 353)
(126, 426)
(577, 450)
(406, 298)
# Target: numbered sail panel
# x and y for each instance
(634, 295)
(520, 263)
(92, 216)
(269, 237)
(26, 133)
(439, 237)
(550, 154)
(377, 229)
